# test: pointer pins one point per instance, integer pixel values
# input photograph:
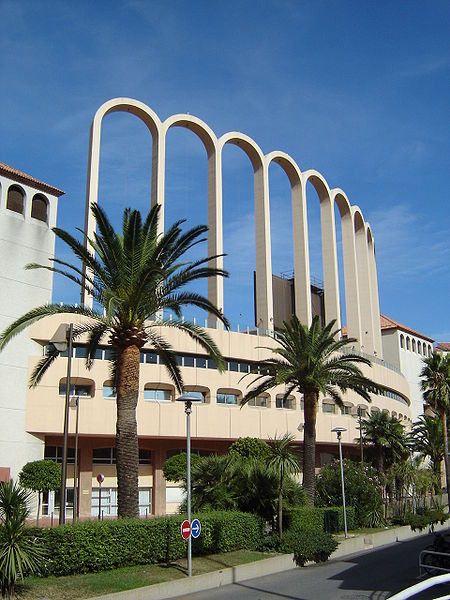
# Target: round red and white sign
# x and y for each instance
(100, 478)
(185, 529)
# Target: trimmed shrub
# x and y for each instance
(98, 546)
(309, 545)
(424, 518)
(329, 519)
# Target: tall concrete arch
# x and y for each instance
(352, 304)
(364, 281)
(361, 287)
(375, 301)
(329, 251)
(215, 232)
(151, 120)
(302, 278)
(264, 294)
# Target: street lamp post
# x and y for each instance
(338, 431)
(62, 345)
(76, 403)
(188, 400)
(361, 447)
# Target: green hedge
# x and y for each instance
(98, 546)
(309, 545)
(330, 519)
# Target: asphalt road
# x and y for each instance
(375, 574)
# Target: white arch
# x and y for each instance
(375, 301)
(329, 252)
(151, 119)
(215, 231)
(352, 305)
(364, 281)
(264, 294)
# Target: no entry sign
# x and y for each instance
(185, 529)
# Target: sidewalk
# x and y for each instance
(180, 587)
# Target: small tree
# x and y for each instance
(249, 447)
(40, 476)
(19, 553)
(285, 463)
(175, 467)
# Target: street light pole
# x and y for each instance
(188, 410)
(62, 509)
(338, 431)
(360, 435)
(75, 473)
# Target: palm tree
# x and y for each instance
(310, 360)
(436, 392)
(387, 435)
(428, 440)
(132, 277)
(283, 460)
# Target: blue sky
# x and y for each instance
(357, 90)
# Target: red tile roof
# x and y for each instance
(388, 323)
(22, 177)
(443, 346)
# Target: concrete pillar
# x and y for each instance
(264, 293)
(159, 482)
(364, 283)
(378, 347)
(85, 482)
(329, 260)
(215, 231)
(302, 278)
(350, 268)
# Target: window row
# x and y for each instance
(407, 343)
(183, 360)
(100, 456)
(15, 201)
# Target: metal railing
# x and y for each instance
(421, 587)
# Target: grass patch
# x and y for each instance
(78, 587)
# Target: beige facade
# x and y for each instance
(216, 421)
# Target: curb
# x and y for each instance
(207, 581)
(260, 568)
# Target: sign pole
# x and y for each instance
(188, 411)
(100, 479)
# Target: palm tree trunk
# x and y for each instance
(309, 445)
(280, 505)
(447, 466)
(128, 359)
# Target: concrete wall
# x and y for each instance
(23, 239)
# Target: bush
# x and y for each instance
(362, 490)
(329, 519)
(425, 517)
(175, 467)
(248, 447)
(98, 546)
(309, 545)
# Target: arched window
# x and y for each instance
(408, 344)
(16, 199)
(402, 341)
(430, 350)
(39, 208)
(282, 402)
(328, 406)
(414, 345)
(156, 392)
(109, 390)
(419, 347)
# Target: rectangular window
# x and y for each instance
(80, 352)
(212, 364)
(154, 395)
(145, 456)
(55, 453)
(109, 354)
(244, 367)
(233, 366)
(197, 396)
(226, 399)
(345, 410)
(201, 362)
(281, 402)
(188, 361)
(327, 407)
(179, 360)
(109, 391)
(104, 456)
(76, 389)
(260, 401)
